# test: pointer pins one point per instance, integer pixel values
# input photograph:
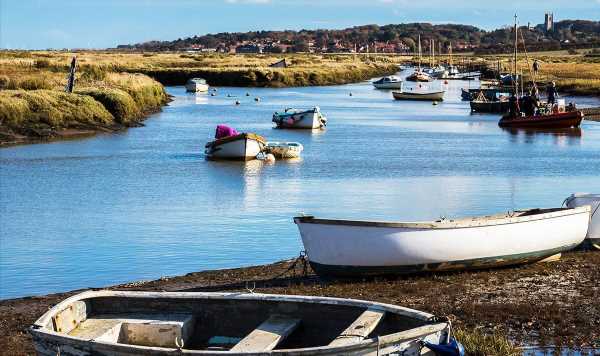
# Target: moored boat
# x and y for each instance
(549, 121)
(593, 200)
(391, 82)
(196, 85)
(357, 248)
(300, 119)
(284, 149)
(419, 76)
(487, 106)
(231, 145)
(165, 323)
(419, 95)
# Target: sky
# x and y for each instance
(42, 24)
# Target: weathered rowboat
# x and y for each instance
(554, 120)
(166, 323)
(300, 119)
(391, 82)
(284, 149)
(418, 95)
(244, 147)
(196, 85)
(593, 200)
(355, 248)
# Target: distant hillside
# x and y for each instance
(389, 38)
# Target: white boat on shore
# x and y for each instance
(391, 82)
(593, 200)
(196, 85)
(242, 147)
(356, 248)
(128, 323)
(300, 119)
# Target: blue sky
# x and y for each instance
(40, 24)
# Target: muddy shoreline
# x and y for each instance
(554, 303)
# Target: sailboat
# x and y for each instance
(435, 71)
(553, 116)
(419, 75)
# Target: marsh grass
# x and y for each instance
(478, 343)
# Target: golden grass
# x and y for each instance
(478, 343)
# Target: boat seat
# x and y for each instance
(267, 335)
(144, 330)
(360, 328)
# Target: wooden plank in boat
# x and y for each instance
(360, 328)
(267, 335)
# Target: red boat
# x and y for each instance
(552, 121)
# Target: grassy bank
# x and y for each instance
(575, 74)
(34, 106)
(542, 304)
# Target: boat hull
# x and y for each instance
(396, 85)
(243, 147)
(433, 96)
(552, 121)
(404, 328)
(312, 119)
(356, 248)
(593, 200)
(490, 106)
(196, 88)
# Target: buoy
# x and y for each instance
(237, 102)
(257, 99)
(434, 103)
(247, 94)
(212, 94)
(445, 82)
(229, 95)
(350, 93)
(214, 89)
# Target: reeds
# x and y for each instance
(478, 343)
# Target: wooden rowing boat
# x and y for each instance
(357, 248)
(244, 147)
(593, 200)
(167, 323)
(554, 120)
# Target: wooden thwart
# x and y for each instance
(360, 328)
(267, 335)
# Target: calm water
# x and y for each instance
(145, 203)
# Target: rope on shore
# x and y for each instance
(300, 259)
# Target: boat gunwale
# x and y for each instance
(432, 326)
(476, 221)
(244, 135)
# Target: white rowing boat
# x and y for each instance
(593, 200)
(172, 323)
(300, 119)
(284, 149)
(353, 248)
(244, 147)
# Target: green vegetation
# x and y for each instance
(478, 343)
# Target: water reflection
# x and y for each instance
(562, 137)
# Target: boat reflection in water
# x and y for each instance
(566, 136)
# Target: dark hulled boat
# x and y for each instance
(551, 121)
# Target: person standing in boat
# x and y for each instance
(552, 94)
(513, 105)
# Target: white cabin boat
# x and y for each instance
(391, 82)
(128, 323)
(593, 200)
(243, 147)
(356, 248)
(437, 95)
(300, 119)
(195, 85)
(284, 149)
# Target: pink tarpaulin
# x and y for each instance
(225, 131)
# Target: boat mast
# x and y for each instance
(515, 59)
(419, 52)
